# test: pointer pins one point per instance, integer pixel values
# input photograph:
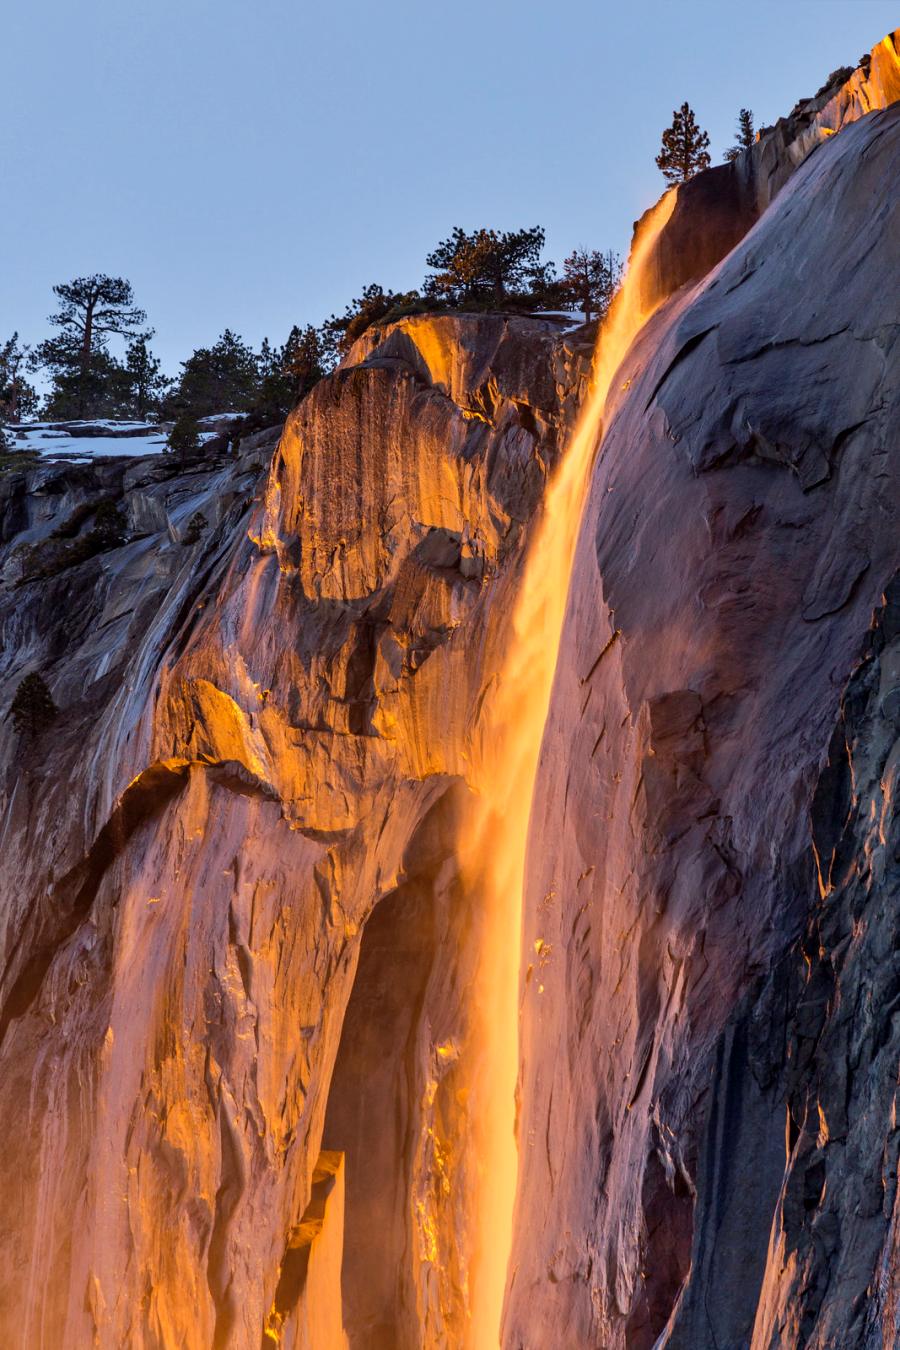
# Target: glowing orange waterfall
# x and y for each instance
(513, 729)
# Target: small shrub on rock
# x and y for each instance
(195, 527)
(32, 709)
(184, 438)
(109, 526)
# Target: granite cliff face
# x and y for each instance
(238, 945)
(260, 749)
(722, 858)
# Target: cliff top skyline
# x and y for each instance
(256, 169)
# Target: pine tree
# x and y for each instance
(184, 438)
(485, 266)
(145, 379)
(590, 280)
(94, 307)
(303, 360)
(102, 391)
(109, 526)
(18, 398)
(267, 362)
(338, 334)
(288, 373)
(87, 380)
(218, 379)
(685, 148)
(746, 136)
(544, 289)
(32, 709)
(195, 527)
(273, 397)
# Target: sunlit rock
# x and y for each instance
(245, 944)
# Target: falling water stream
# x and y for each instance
(497, 837)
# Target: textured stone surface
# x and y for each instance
(741, 531)
(714, 210)
(234, 939)
(256, 741)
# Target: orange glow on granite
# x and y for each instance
(496, 841)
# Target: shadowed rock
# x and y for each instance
(741, 533)
(234, 929)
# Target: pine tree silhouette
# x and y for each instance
(745, 135)
(184, 438)
(685, 148)
(590, 279)
(32, 709)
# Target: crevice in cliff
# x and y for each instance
(293, 1276)
(777, 345)
(371, 1116)
(383, 1087)
(143, 799)
(668, 1204)
(843, 980)
(232, 1182)
(800, 1133)
(71, 897)
(682, 354)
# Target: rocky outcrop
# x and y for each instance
(715, 210)
(238, 947)
(709, 1146)
(258, 743)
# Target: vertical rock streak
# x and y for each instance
(508, 748)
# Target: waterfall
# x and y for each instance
(495, 839)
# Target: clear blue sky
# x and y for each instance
(253, 163)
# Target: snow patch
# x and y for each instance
(90, 439)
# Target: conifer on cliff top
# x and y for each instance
(745, 135)
(685, 148)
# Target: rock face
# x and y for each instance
(237, 946)
(261, 740)
(709, 1075)
(714, 210)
